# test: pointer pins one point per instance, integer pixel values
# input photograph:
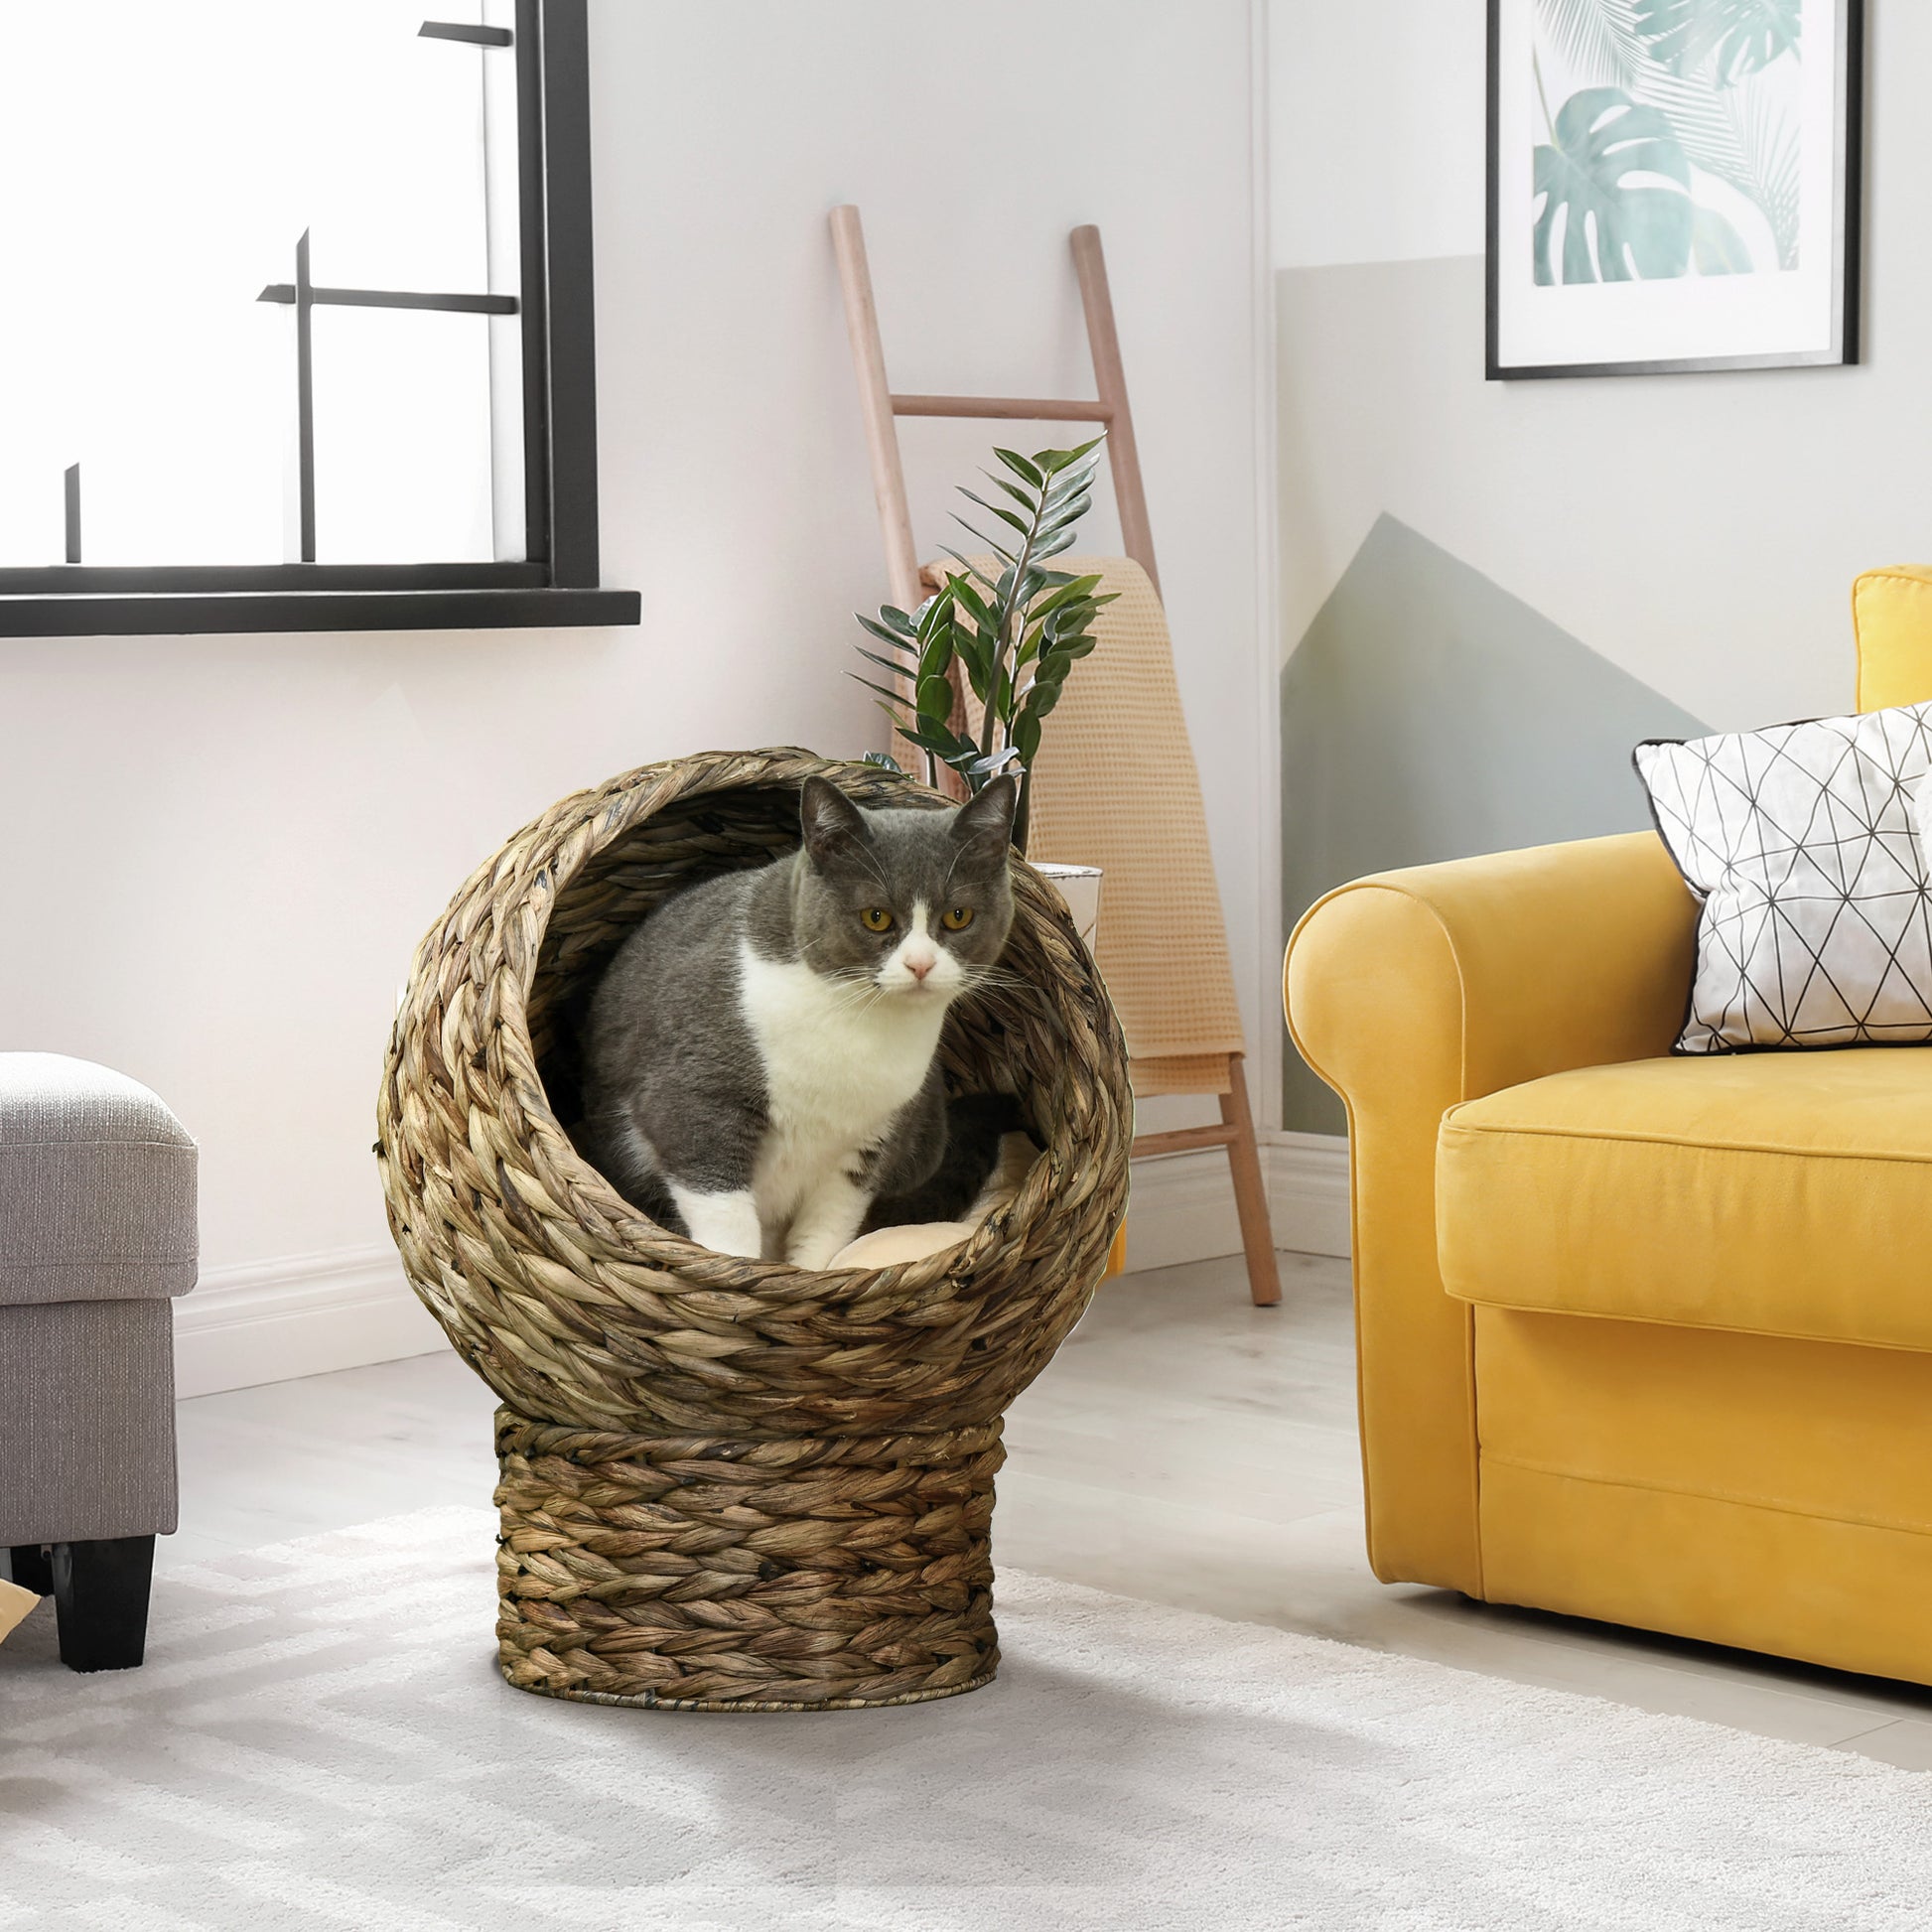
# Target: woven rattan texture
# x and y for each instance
(581, 1313)
(827, 1571)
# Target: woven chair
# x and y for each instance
(729, 1484)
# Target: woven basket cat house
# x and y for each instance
(729, 1484)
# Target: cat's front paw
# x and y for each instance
(812, 1251)
(726, 1223)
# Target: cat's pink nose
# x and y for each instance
(919, 964)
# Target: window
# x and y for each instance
(299, 330)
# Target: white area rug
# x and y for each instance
(320, 1740)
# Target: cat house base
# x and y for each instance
(727, 1483)
(696, 1573)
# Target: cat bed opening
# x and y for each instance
(729, 1484)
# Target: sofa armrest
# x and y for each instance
(1409, 992)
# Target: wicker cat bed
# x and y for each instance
(729, 1484)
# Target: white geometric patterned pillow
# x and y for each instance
(1805, 844)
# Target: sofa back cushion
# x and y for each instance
(1891, 614)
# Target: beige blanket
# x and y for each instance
(14, 1603)
(1116, 786)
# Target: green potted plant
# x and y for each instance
(1015, 628)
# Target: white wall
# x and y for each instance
(222, 850)
(1700, 531)
(1377, 129)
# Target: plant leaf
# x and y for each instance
(931, 736)
(1596, 37)
(972, 572)
(1745, 136)
(1069, 617)
(1717, 248)
(891, 638)
(1067, 588)
(1026, 472)
(1082, 486)
(885, 761)
(976, 606)
(981, 535)
(1004, 516)
(890, 697)
(1612, 232)
(979, 666)
(1054, 460)
(993, 761)
(1739, 38)
(884, 664)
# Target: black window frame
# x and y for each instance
(557, 584)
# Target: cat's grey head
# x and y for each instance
(917, 902)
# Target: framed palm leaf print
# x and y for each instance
(1674, 185)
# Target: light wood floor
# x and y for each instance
(1183, 1446)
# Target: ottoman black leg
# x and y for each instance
(100, 1594)
(32, 1568)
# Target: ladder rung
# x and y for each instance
(1182, 1140)
(1019, 409)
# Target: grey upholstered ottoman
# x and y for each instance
(97, 1235)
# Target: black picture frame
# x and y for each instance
(557, 582)
(1846, 317)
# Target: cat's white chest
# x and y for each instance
(839, 1061)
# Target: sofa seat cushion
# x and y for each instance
(97, 1185)
(1773, 1194)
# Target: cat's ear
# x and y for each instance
(988, 817)
(831, 823)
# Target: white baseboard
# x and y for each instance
(302, 1315)
(1181, 1207)
(1307, 1191)
(305, 1315)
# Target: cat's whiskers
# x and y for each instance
(993, 978)
(855, 991)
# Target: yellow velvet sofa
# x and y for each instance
(1642, 1339)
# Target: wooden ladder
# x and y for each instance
(880, 409)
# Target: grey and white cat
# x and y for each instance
(760, 1060)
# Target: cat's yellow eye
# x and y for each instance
(956, 918)
(875, 918)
